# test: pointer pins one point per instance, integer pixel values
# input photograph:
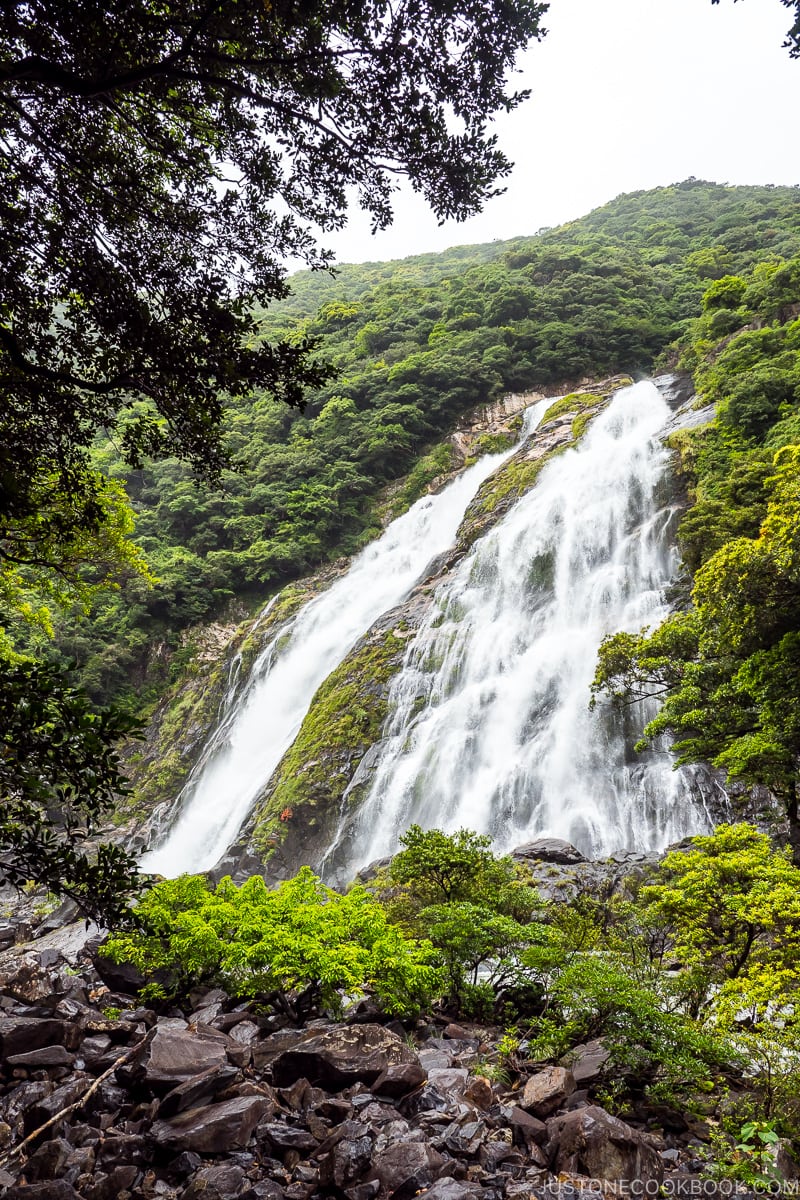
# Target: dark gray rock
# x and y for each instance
(547, 1090)
(172, 1056)
(550, 850)
(590, 1141)
(20, 1035)
(410, 1166)
(194, 1091)
(347, 1162)
(48, 1161)
(399, 1079)
(47, 1056)
(341, 1056)
(586, 1062)
(50, 1189)
(213, 1129)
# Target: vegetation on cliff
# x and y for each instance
(729, 666)
(415, 344)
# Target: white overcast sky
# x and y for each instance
(627, 94)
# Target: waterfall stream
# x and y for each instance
(489, 725)
(259, 725)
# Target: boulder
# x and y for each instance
(20, 1035)
(347, 1162)
(411, 1166)
(589, 1141)
(172, 1056)
(547, 1090)
(550, 850)
(450, 1081)
(220, 1180)
(47, 1056)
(213, 1129)
(341, 1056)
(192, 1092)
(527, 1127)
(399, 1079)
(586, 1062)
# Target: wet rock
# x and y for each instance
(399, 1079)
(213, 1129)
(454, 1189)
(586, 1062)
(217, 1182)
(172, 1056)
(347, 1162)
(111, 1186)
(37, 1060)
(434, 1060)
(48, 1161)
(547, 1090)
(410, 1166)
(50, 1105)
(589, 1141)
(341, 1056)
(450, 1082)
(287, 1137)
(549, 850)
(122, 1150)
(50, 1189)
(526, 1127)
(21, 1035)
(200, 1087)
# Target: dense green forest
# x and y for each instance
(729, 663)
(415, 344)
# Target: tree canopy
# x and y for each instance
(160, 163)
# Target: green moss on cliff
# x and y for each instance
(345, 718)
(575, 402)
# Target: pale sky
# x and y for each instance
(627, 94)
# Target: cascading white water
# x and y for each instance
(260, 726)
(490, 727)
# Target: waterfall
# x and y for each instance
(260, 724)
(489, 724)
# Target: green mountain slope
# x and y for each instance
(415, 344)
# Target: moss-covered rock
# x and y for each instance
(213, 660)
(562, 425)
(300, 808)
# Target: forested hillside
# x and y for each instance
(415, 344)
(730, 664)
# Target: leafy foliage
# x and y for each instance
(60, 774)
(297, 947)
(733, 906)
(415, 344)
(473, 906)
(729, 668)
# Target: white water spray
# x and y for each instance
(260, 726)
(490, 727)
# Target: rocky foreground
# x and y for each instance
(104, 1099)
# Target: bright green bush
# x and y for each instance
(299, 947)
(473, 906)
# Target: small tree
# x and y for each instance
(733, 903)
(60, 775)
(471, 904)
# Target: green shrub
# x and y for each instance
(299, 947)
